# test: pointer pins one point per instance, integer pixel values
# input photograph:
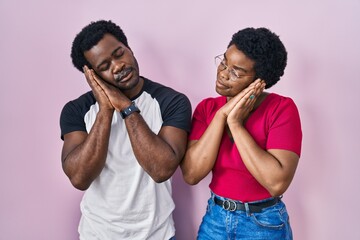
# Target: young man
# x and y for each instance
(122, 141)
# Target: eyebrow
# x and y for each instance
(237, 67)
(104, 61)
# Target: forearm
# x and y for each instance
(85, 162)
(262, 165)
(152, 152)
(201, 156)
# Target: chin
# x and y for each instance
(130, 84)
(222, 92)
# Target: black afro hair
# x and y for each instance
(89, 36)
(265, 49)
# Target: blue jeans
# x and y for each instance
(271, 223)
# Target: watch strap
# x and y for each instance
(129, 110)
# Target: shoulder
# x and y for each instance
(72, 114)
(174, 106)
(81, 104)
(279, 108)
(84, 99)
(165, 95)
(276, 101)
(158, 89)
(212, 103)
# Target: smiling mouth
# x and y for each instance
(123, 74)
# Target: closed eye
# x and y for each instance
(236, 74)
(118, 53)
(104, 67)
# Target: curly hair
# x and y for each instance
(265, 49)
(89, 36)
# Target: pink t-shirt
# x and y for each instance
(275, 124)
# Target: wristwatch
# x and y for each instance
(129, 110)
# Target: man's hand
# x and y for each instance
(99, 93)
(116, 98)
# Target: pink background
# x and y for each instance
(175, 42)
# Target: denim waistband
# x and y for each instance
(252, 207)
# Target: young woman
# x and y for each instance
(249, 139)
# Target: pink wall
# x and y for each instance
(175, 44)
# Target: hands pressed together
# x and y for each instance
(158, 154)
(238, 108)
(108, 96)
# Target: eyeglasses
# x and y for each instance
(234, 75)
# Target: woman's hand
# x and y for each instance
(245, 102)
(229, 106)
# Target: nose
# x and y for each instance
(224, 73)
(117, 66)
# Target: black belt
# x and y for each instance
(232, 205)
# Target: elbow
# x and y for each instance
(163, 176)
(80, 187)
(191, 178)
(278, 189)
(78, 179)
(160, 179)
(79, 183)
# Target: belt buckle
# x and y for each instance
(227, 205)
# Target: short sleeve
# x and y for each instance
(73, 113)
(199, 123)
(71, 120)
(285, 127)
(203, 115)
(178, 112)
